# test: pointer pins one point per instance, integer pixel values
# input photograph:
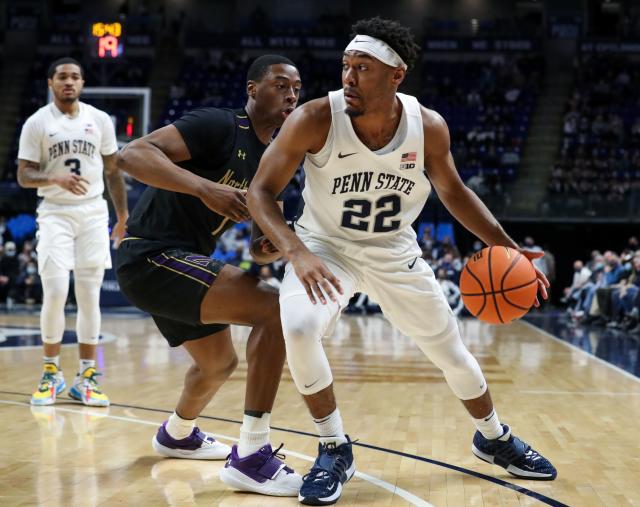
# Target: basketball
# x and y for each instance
(498, 284)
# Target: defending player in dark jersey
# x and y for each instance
(198, 170)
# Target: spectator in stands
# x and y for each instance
(27, 254)
(451, 266)
(9, 271)
(427, 242)
(447, 246)
(581, 277)
(28, 288)
(5, 234)
(624, 296)
(451, 291)
(613, 274)
(598, 161)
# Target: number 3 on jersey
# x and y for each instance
(357, 210)
(74, 165)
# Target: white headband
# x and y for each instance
(376, 48)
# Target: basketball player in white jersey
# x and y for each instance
(65, 147)
(372, 155)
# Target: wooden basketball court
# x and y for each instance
(414, 436)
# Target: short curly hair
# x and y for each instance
(399, 37)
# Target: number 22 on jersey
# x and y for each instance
(357, 212)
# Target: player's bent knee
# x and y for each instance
(303, 326)
(224, 370)
(461, 370)
(302, 321)
(54, 296)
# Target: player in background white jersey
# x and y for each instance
(65, 147)
(371, 157)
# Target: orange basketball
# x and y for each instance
(498, 284)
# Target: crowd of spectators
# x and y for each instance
(217, 78)
(598, 167)
(605, 289)
(488, 106)
(19, 279)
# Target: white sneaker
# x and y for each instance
(198, 445)
(261, 472)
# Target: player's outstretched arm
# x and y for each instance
(118, 192)
(304, 131)
(460, 200)
(151, 158)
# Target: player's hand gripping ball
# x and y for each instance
(498, 284)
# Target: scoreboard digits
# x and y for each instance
(106, 40)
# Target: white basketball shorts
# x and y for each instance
(74, 235)
(392, 273)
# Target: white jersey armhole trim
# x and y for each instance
(321, 158)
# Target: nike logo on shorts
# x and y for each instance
(312, 383)
(411, 264)
(340, 155)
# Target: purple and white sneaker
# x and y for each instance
(261, 472)
(198, 445)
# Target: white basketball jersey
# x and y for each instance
(61, 145)
(361, 195)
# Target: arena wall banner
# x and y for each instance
(480, 44)
(265, 42)
(604, 46)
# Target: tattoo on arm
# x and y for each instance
(30, 175)
(116, 186)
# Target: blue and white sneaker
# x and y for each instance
(514, 455)
(333, 467)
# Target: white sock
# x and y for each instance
(86, 363)
(489, 426)
(330, 428)
(179, 428)
(54, 360)
(254, 434)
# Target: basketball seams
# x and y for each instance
(504, 296)
(510, 267)
(484, 296)
(503, 291)
(515, 287)
(493, 294)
